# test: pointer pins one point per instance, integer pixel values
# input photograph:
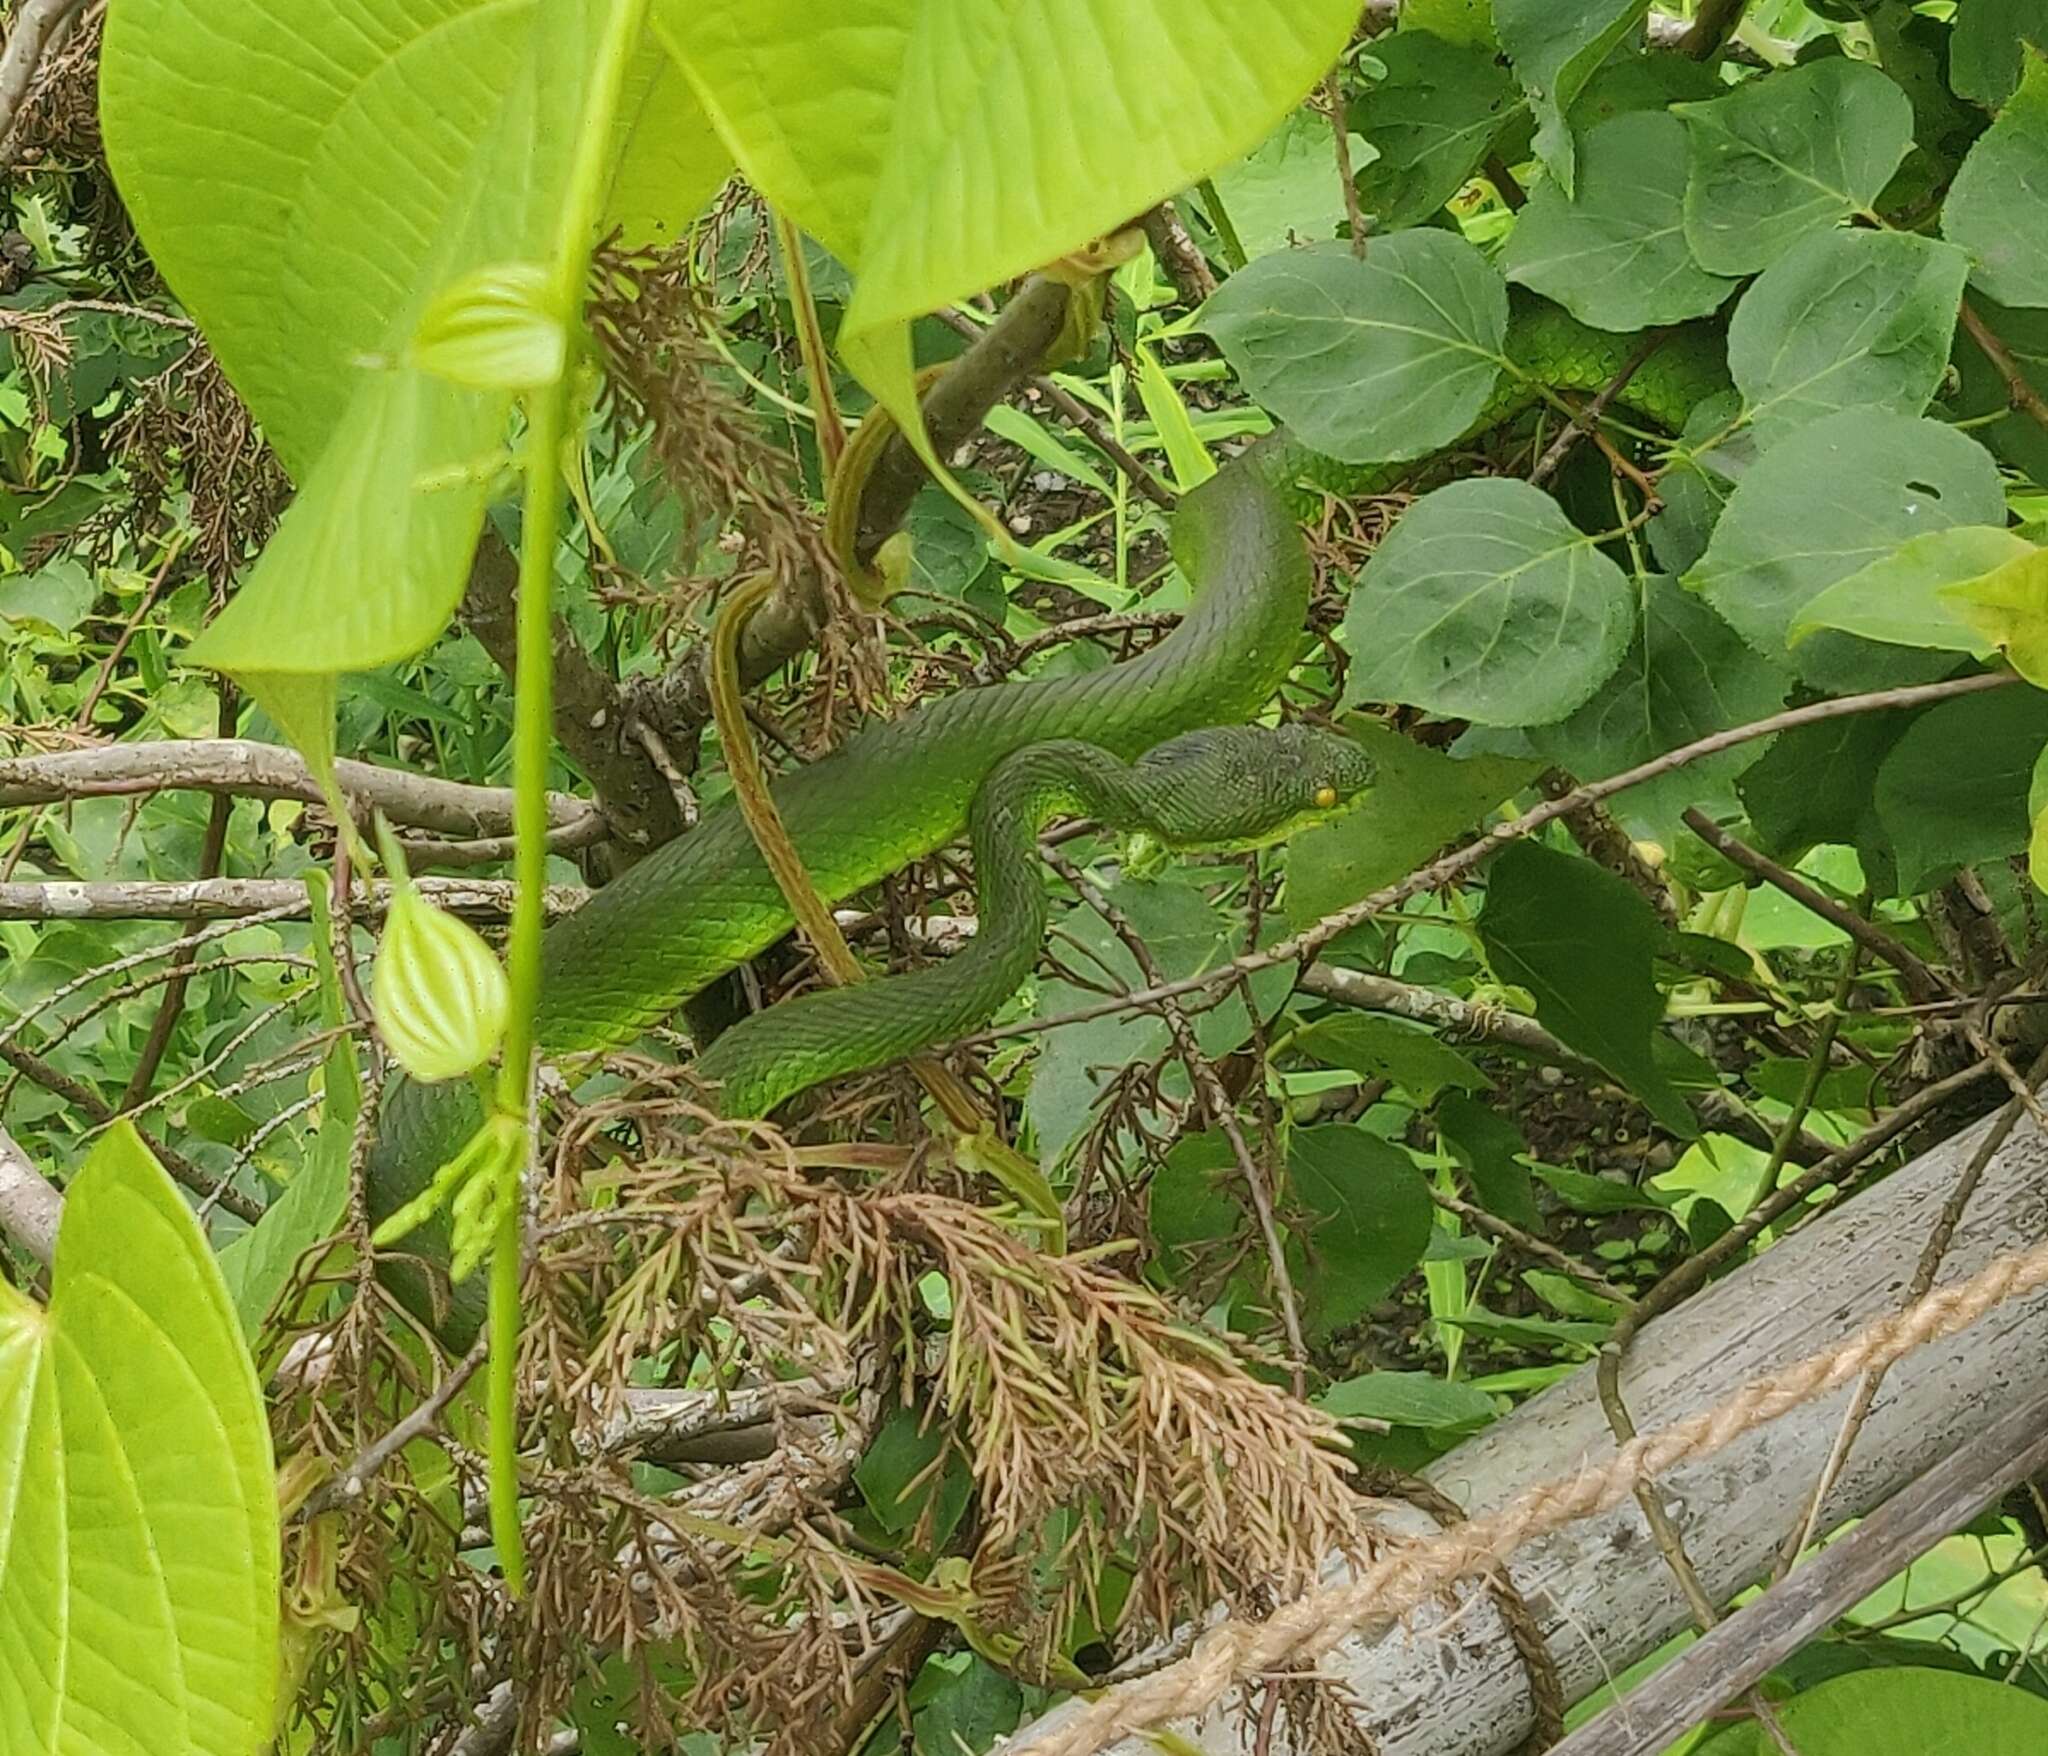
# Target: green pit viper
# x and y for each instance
(896, 791)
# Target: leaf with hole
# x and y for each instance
(1838, 494)
(1778, 158)
(138, 1500)
(1583, 944)
(1367, 361)
(1614, 254)
(1486, 603)
(1845, 320)
(1432, 118)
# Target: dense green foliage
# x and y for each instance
(1644, 382)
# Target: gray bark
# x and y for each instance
(1449, 1683)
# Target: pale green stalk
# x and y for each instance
(532, 747)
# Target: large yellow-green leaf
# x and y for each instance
(138, 1502)
(941, 146)
(311, 180)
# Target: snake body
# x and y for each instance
(1222, 788)
(895, 792)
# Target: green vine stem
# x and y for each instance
(532, 747)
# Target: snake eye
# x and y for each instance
(1326, 796)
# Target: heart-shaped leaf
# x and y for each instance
(138, 1501)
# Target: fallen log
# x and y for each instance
(1449, 1683)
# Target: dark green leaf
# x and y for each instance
(1410, 1399)
(1812, 786)
(1845, 319)
(1686, 674)
(1614, 255)
(1418, 1065)
(1781, 157)
(1834, 497)
(1954, 790)
(897, 1479)
(1487, 603)
(1367, 1219)
(1556, 45)
(969, 1712)
(1420, 800)
(1997, 208)
(1189, 1201)
(1368, 361)
(1490, 1147)
(1538, 1332)
(1582, 942)
(1432, 118)
(1986, 47)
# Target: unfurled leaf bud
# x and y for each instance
(440, 995)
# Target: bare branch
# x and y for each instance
(30, 1206)
(243, 767)
(1748, 1644)
(218, 899)
(592, 720)
(96, 1110)
(39, 27)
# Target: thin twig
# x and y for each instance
(211, 852)
(1347, 181)
(1585, 419)
(1921, 978)
(348, 1484)
(1922, 1283)
(39, 25)
(1300, 947)
(1084, 420)
(1215, 1099)
(96, 1110)
(2025, 397)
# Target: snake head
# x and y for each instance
(1239, 787)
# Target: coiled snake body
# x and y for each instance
(895, 792)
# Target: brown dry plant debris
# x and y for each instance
(188, 430)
